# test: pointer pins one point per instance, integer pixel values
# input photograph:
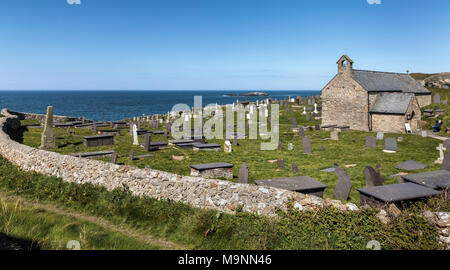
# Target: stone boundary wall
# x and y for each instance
(220, 195)
(37, 116)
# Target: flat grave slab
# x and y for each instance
(213, 170)
(301, 184)
(177, 142)
(109, 131)
(206, 147)
(157, 132)
(142, 156)
(410, 165)
(68, 124)
(437, 180)
(92, 154)
(399, 194)
(99, 140)
(143, 131)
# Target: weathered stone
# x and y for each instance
(372, 177)
(307, 145)
(243, 173)
(48, 138)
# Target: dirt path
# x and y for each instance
(163, 244)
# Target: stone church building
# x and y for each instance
(373, 101)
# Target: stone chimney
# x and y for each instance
(345, 65)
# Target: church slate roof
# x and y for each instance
(392, 103)
(375, 81)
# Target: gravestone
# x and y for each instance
(343, 186)
(295, 168)
(317, 127)
(334, 135)
(147, 142)
(48, 138)
(166, 134)
(290, 146)
(371, 142)
(280, 164)
(390, 145)
(441, 150)
(243, 173)
(437, 99)
(280, 145)
(372, 177)
(294, 122)
(308, 117)
(446, 144)
(301, 131)
(131, 156)
(235, 141)
(424, 134)
(446, 163)
(438, 180)
(410, 165)
(307, 145)
(135, 135)
(227, 147)
(380, 136)
(445, 102)
(114, 158)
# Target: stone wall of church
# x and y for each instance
(388, 123)
(424, 100)
(345, 103)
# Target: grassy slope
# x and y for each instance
(445, 95)
(177, 222)
(349, 150)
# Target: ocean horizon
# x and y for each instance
(112, 105)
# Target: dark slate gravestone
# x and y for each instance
(243, 173)
(390, 144)
(295, 168)
(294, 122)
(280, 164)
(235, 141)
(131, 156)
(317, 127)
(114, 158)
(371, 142)
(438, 180)
(166, 134)
(343, 186)
(99, 140)
(301, 184)
(307, 145)
(148, 139)
(308, 117)
(437, 99)
(410, 165)
(399, 194)
(280, 145)
(372, 177)
(301, 131)
(446, 163)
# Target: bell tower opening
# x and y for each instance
(345, 64)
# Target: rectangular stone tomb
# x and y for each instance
(157, 132)
(99, 140)
(438, 180)
(109, 131)
(399, 194)
(213, 170)
(177, 142)
(186, 145)
(93, 154)
(206, 147)
(142, 131)
(301, 184)
(68, 124)
(156, 145)
(90, 125)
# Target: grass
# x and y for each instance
(29, 227)
(200, 229)
(349, 150)
(445, 95)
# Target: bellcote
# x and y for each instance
(345, 64)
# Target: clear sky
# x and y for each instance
(214, 44)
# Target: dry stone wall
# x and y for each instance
(220, 195)
(39, 117)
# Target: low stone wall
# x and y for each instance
(198, 192)
(37, 116)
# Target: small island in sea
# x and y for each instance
(250, 94)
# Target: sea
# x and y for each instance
(117, 105)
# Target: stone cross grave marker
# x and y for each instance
(280, 164)
(290, 146)
(243, 173)
(135, 135)
(371, 142)
(380, 136)
(390, 145)
(295, 168)
(437, 99)
(48, 138)
(441, 150)
(307, 145)
(343, 186)
(372, 177)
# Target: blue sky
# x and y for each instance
(214, 44)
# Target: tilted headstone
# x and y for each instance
(243, 173)
(48, 138)
(371, 142)
(372, 177)
(307, 145)
(114, 158)
(280, 164)
(295, 168)
(380, 136)
(437, 99)
(343, 186)
(390, 144)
